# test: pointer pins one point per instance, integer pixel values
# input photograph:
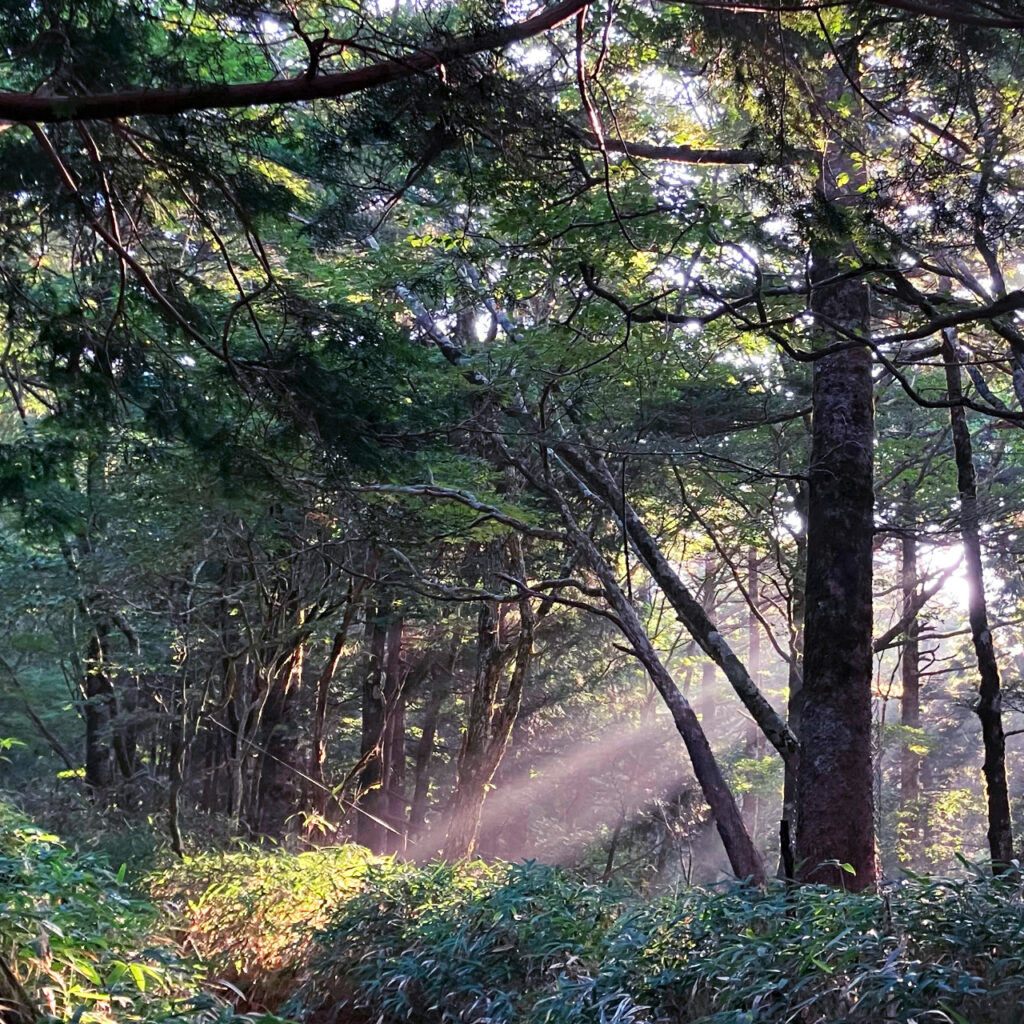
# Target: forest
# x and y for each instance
(511, 512)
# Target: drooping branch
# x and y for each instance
(675, 154)
(956, 13)
(22, 107)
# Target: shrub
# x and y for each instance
(82, 946)
(467, 943)
(533, 945)
(251, 915)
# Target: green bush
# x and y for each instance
(534, 945)
(251, 914)
(80, 946)
(465, 942)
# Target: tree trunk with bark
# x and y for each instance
(98, 691)
(393, 751)
(910, 703)
(795, 677)
(835, 786)
(754, 740)
(280, 786)
(318, 782)
(835, 800)
(989, 706)
(744, 859)
(371, 805)
(592, 471)
(421, 762)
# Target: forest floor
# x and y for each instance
(337, 935)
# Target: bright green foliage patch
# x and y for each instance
(81, 947)
(467, 943)
(534, 945)
(252, 915)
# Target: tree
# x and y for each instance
(514, 303)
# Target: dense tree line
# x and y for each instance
(401, 407)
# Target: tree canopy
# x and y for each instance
(403, 403)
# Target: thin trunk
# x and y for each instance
(910, 704)
(371, 805)
(41, 727)
(989, 706)
(751, 801)
(99, 711)
(505, 833)
(744, 859)
(597, 477)
(794, 702)
(393, 750)
(280, 786)
(421, 763)
(491, 717)
(177, 774)
(613, 846)
(318, 744)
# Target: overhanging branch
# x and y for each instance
(20, 107)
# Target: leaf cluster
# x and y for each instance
(531, 943)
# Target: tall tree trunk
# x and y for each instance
(371, 800)
(835, 800)
(98, 691)
(751, 806)
(835, 790)
(319, 785)
(795, 679)
(421, 763)
(491, 717)
(910, 703)
(280, 785)
(393, 751)
(744, 859)
(506, 833)
(989, 706)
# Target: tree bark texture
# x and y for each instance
(989, 706)
(835, 785)
(835, 798)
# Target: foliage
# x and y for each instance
(465, 942)
(528, 943)
(251, 915)
(85, 948)
(338, 931)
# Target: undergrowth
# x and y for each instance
(252, 915)
(337, 935)
(528, 944)
(77, 945)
